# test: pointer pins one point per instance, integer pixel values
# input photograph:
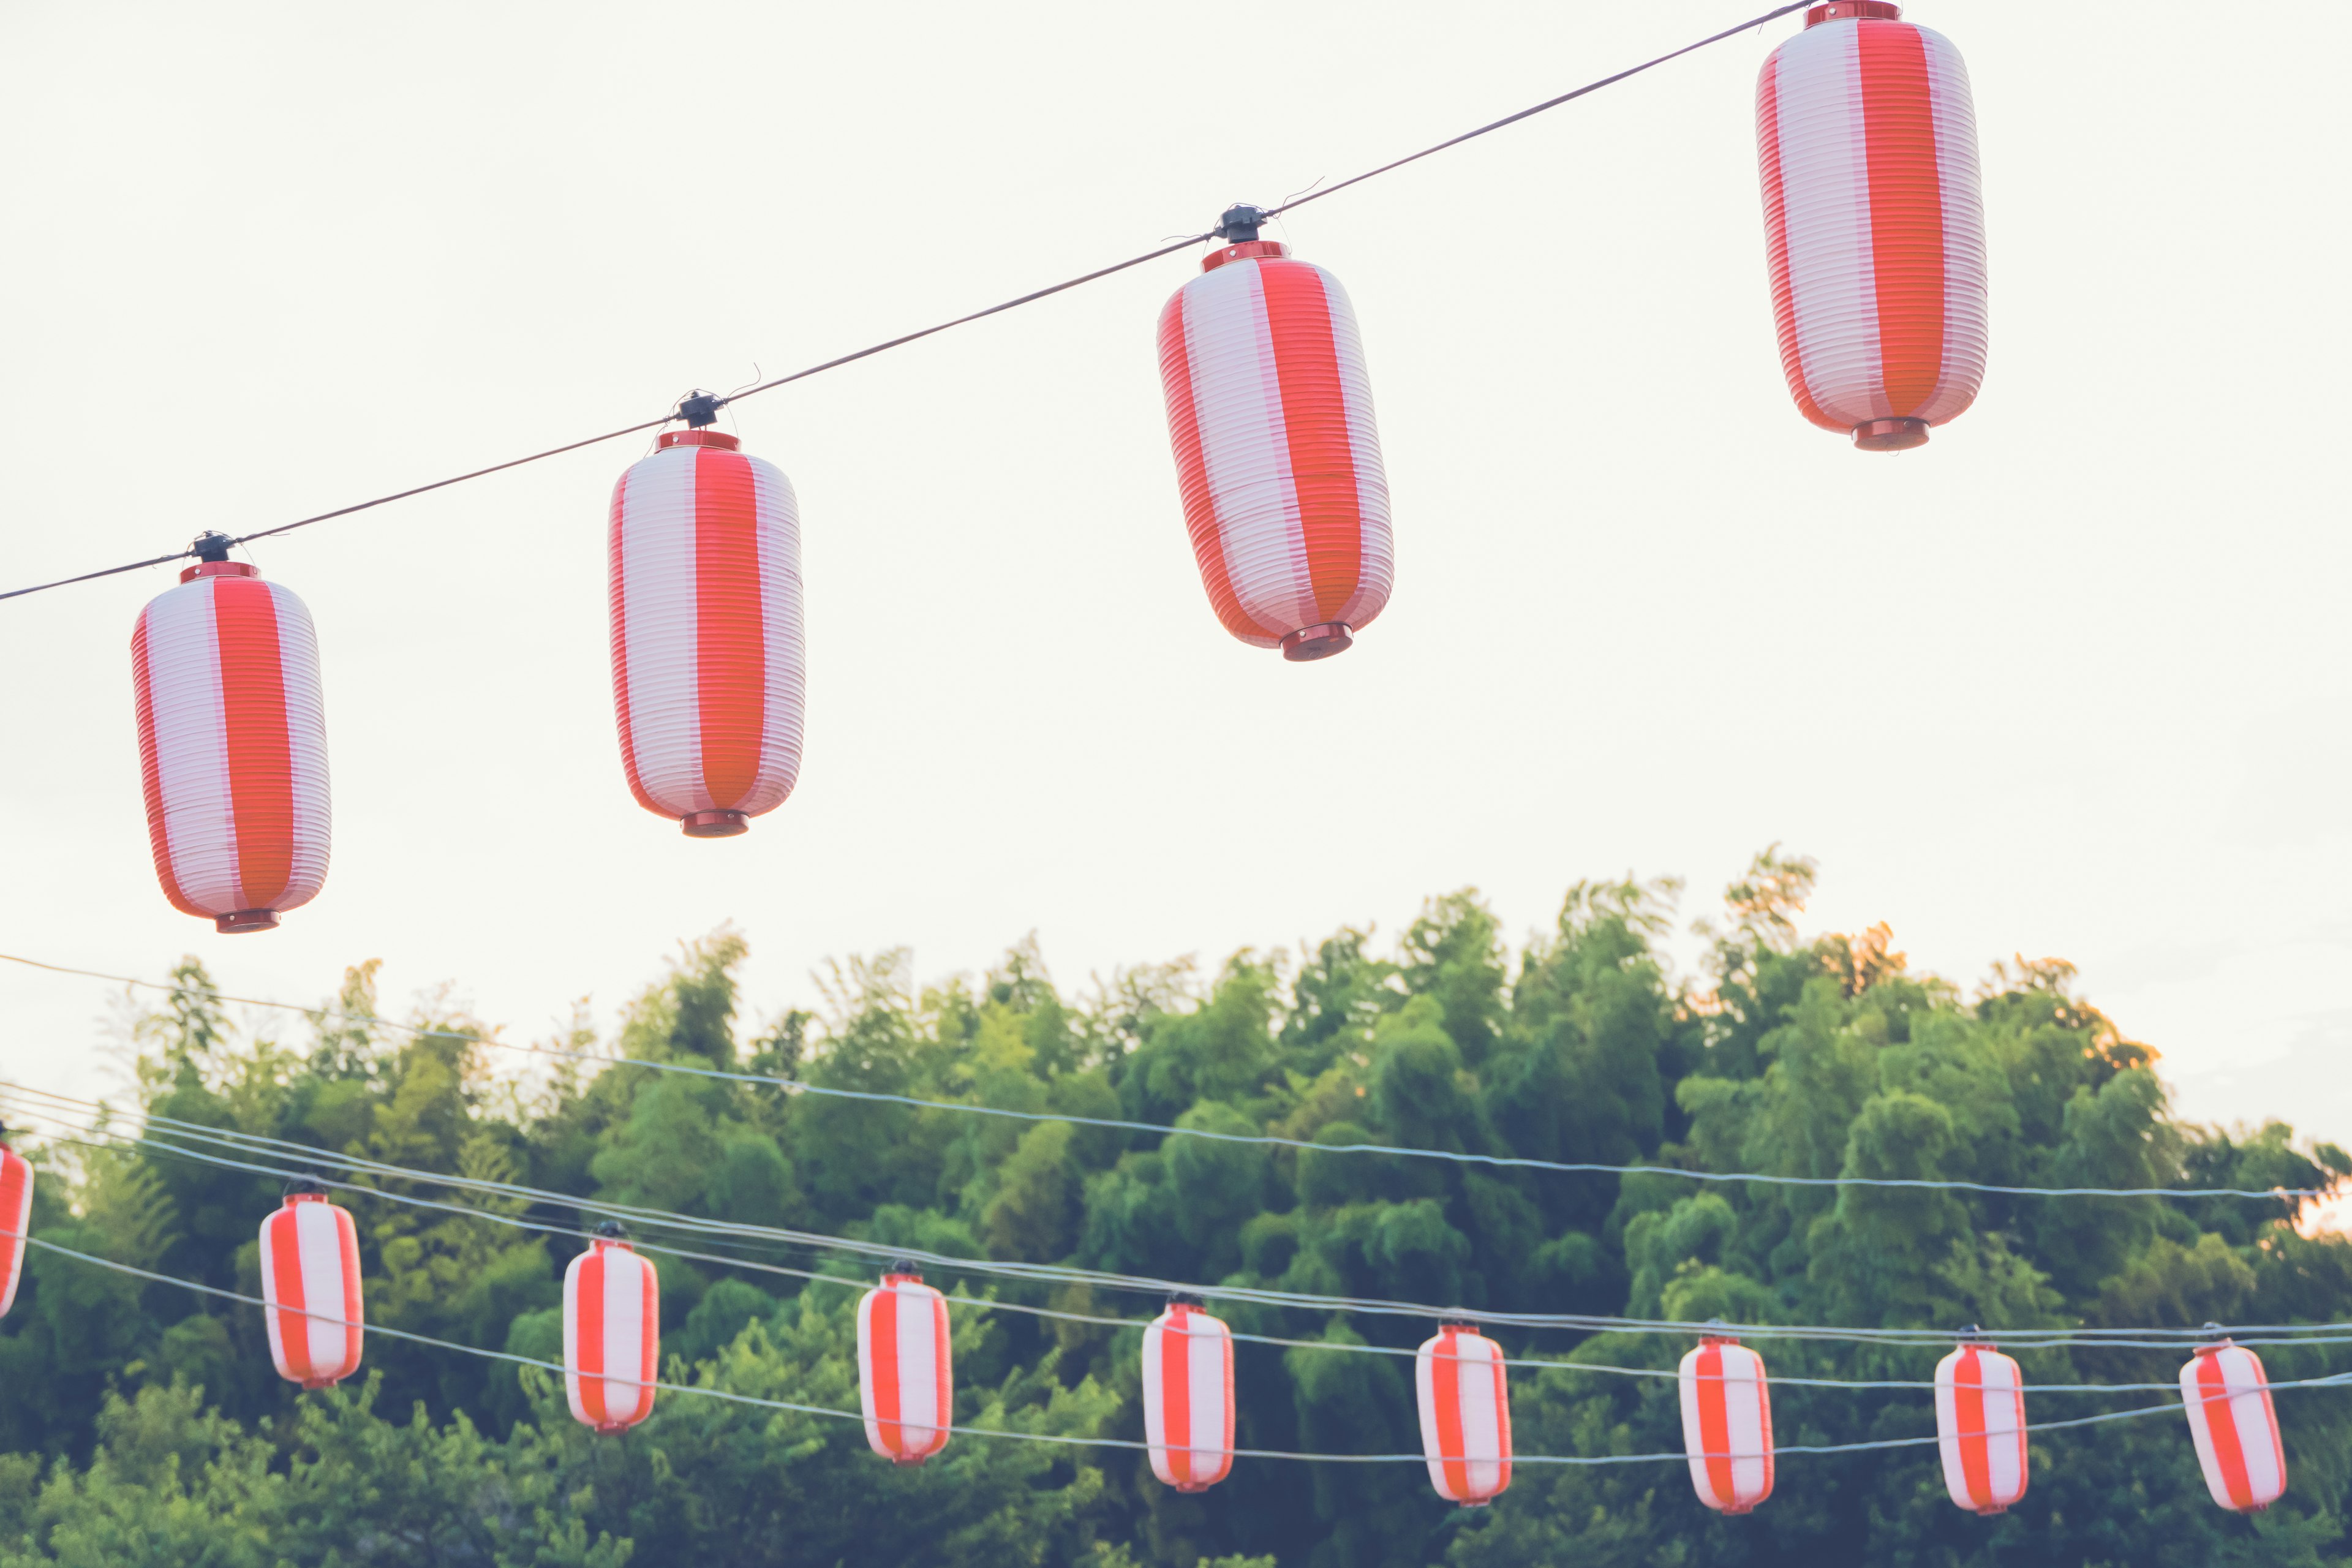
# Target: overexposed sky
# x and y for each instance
(2069, 680)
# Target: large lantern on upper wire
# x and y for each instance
(2228, 1396)
(1187, 1396)
(1873, 222)
(612, 1334)
(707, 669)
(1276, 454)
(1981, 1427)
(1726, 1424)
(232, 743)
(16, 1218)
(1465, 1414)
(906, 1376)
(310, 1288)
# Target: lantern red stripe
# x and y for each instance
(620, 640)
(347, 1249)
(588, 1357)
(730, 652)
(942, 1379)
(2222, 1424)
(1176, 1393)
(1907, 212)
(1315, 425)
(648, 1340)
(1968, 1405)
(260, 753)
(884, 1341)
(1714, 1426)
(16, 1212)
(291, 1328)
(1445, 1377)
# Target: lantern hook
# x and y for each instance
(211, 545)
(699, 409)
(610, 1230)
(305, 1186)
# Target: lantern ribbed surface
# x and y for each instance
(1277, 457)
(1188, 1397)
(906, 1376)
(612, 1335)
(1465, 1414)
(2228, 1397)
(1873, 222)
(311, 1291)
(16, 1212)
(232, 746)
(1727, 1425)
(1981, 1427)
(709, 671)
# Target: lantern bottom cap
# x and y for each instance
(910, 1460)
(315, 1384)
(608, 1428)
(1989, 1513)
(1890, 435)
(714, 823)
(1317, 642)
(241, 920)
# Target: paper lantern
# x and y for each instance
(1981, 1427)
(17, 1216)
(1465, 1414)
(2234, 1427)
(1277, 457)
(1187, 1396)
(1727, 1425)
(1873, 222)
(311, 1290)
(708, 668)
(906, 1379)
(612, 1335)
(232, 744)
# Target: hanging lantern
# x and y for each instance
(1873, 223)
(708, 668)
(612, 1334)
(905, 1375)
(1187, 1396)
(1465, 1414)
(1727, 1425)
(310, 1288)
(1981, 1427)
(2234, 1427)
(232, 743)
(16, 1216)
(1276, 454)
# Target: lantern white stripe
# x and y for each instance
(657, 582)
(298, 660)
(1377, 568)
(192, 746)
(1825, 193)
(1966, 327)
(779, 600)
(1237, 399)
(322, 1243)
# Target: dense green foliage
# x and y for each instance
(143, 1423)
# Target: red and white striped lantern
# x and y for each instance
(232, 746)
(612, 1335)
(905, 1378)
(311, 1291)
(708, 673)
(1188, 1397)
(1727, 1425)
(1276, 453)
(2234, 1427)
(1981, 1427)
(17, 1216)
(1873, 222)
(1465, 1414)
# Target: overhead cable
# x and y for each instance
(710, 406)
(1155, 1129)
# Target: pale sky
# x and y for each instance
(2067, 681)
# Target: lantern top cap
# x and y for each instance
(219, 568)
(304, 1187)
(717, 439)
(1852, 10)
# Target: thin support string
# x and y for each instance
(1570, 1167)
(826, 1411)
(905, 338)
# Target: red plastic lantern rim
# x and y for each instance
(219, 568)
(611, 1429)
(1846, 10)
(714, 823)
(315, 1384)
(1317, 642)
(1244, 251)
(1890, 435)
(719, 438)
(242, 920)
